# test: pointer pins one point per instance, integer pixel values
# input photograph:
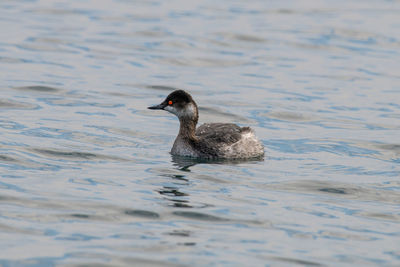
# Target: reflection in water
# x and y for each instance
(171, 191)
(184, 163)
(175, 196)
(180, 199)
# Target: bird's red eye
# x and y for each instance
(170, 102)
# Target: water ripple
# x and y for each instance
(339, 190)
(10, 104)
(39, 88)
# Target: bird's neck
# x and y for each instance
(187, 128)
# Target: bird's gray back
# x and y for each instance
(220, 133)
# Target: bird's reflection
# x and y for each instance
(174, 195)
(172, 192)
(184, 163)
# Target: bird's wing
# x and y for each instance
(220, 133)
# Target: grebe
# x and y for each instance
(210, 140)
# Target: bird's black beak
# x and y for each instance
(160, 106)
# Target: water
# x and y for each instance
(86, 174)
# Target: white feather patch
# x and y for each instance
(188, 111)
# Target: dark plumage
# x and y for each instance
(227, 133)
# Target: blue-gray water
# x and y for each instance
(86, 174)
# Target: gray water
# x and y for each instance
(86, 174)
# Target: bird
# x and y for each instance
(210, 140)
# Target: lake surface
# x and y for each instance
(86, 174)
